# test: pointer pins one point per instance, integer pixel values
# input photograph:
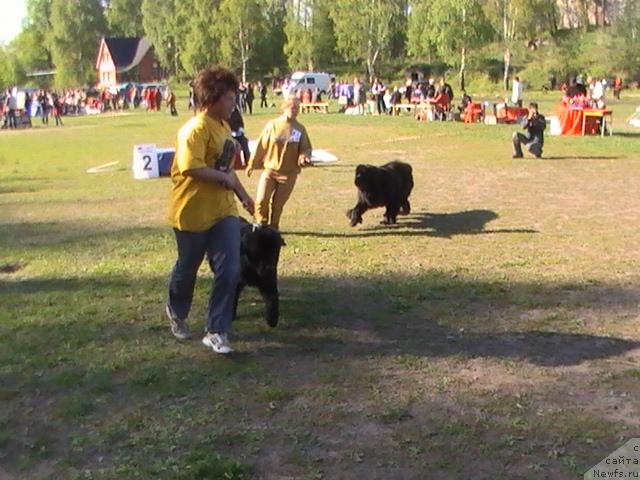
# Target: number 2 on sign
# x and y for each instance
(147, 162)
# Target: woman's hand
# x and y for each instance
(248, 171)
(305, 161)
(249, 205)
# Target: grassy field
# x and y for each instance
(492, 334)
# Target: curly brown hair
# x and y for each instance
(212, 83)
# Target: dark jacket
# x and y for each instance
(236, 123)
(535, 128)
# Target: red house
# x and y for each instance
(123, 60)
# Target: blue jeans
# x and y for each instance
(221, 243)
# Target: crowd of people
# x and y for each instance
(20, 107)
(355, 98)
(589, 94)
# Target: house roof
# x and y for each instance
(125, 52)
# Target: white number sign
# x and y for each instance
(145, 162)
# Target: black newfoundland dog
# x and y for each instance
(259, 254)
(387, 186)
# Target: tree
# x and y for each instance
(239, 29)
(76, 29)
(299, 46)
(310, 36)
(628, 28)
(269, 47)
(124, 18)
(11, 72)
(364, 29)
(200, 46)
(453, 27)
(30, 50)
(38, 14)
(522, 18)
(166, 23)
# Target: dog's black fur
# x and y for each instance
(259, 255)
(387, 186)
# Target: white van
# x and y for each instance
(310, 80)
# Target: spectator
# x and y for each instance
(57, 110)
(516, 92)
(617, 88)
(171, 101)
(535, 125)
(442, 103)
(430, 90)
(378, 91)
(236, 123)
(250, 97)
(12, 107)
(465, 101)
(596, 90)
(46, 107)
(447, 88)
(158, 99)
(359, 95)
(262, 88)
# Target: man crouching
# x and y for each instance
(534, 140)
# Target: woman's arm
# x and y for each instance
(305, 150)
(243, 196)
(209, 174)
(257, 157)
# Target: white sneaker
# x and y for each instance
(218, 342)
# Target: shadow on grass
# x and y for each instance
(627, 134)
(122, 354)
(583, 157)
(399, 313)
(55, 233)
(442, 225)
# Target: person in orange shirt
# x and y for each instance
(283, 149)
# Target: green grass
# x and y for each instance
(493, 333)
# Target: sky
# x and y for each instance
(13, 12)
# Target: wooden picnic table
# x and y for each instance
(398, 107)
(314, 107)
(598, 114)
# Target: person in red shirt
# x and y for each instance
(617, 88)
(441, 102)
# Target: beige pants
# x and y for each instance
(273, 193)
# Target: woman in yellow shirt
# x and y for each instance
(282, 149)
(202, 209)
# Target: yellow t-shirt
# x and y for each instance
(280, 146)
(196, 205)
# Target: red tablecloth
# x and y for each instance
(511, 114)
(571, 121)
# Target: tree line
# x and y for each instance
(261, 37)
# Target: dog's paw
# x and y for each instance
(272, 321)
(354, 218)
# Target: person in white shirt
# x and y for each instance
(516, 92)
(596, 90)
